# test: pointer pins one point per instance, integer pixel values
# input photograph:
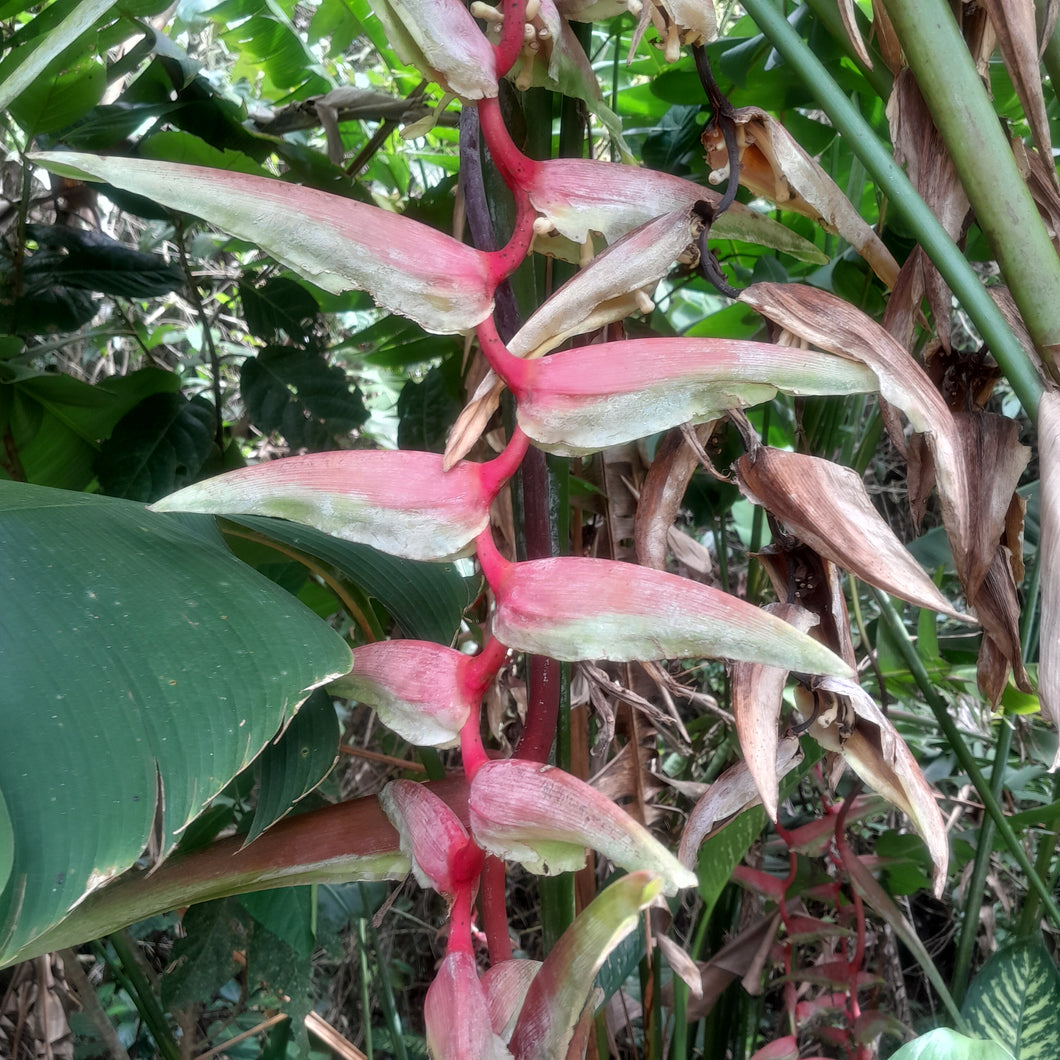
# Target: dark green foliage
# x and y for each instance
(158, 447)
(427, 409)
(296, 393)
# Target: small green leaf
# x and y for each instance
(296, 762)
(158, 447)
(287, 912)
(720, 854)
(280, 307)
(297, 393)
(1015, 1000)
(58, 97)
(203, 960)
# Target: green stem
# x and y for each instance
(1021, 372)
(143, 996)
(366, 999)
(1043, 865)
(390, 1013)
(964, 756)
(879, 77)
(965, 117)
(974, 895)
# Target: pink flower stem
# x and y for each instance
(515, 168)
(496, 472)
(472, 753)
(515, 371)
(495, 568)
(460, 922)
(484, 666)
(495, 910)
(505, 261)
(511, 42)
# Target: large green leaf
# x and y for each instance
(428, 600)
(1015, 1000)
(139, 659)
(297, 762)
(944, 1044)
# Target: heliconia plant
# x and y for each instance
(456, 838)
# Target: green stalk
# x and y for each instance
(1043, 865)
(1021, 372)
(964, 756)
(142, 994)
(974, 896)
(1004, 207)
(366, 999)
(386, 991)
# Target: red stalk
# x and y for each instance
(495, 910)
(495, 567)
(511, 42)
(515, 371)
(484, 666)
(494, 473)
(460, 923)
(472, 753)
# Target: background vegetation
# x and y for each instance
(142, 350)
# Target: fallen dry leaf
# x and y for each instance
(877, 753)
(732, 793)
(832, 324)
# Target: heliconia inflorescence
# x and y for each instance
(421, 506)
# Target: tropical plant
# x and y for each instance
(149, 664)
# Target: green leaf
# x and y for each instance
(57, 99)
(1015, 1000)
(720, 854)
(287, 912)
(944, 1044)
(158, 447)
(427, 600)
(280, 307)
(203, 960)
(297, 393)
(427, 409)
(22, 67)
(292, 766)
(139, 658)
(91, 261)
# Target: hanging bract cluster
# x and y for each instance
(579, 401)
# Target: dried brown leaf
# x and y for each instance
(847, 13)
(828, 507)
(877, 753)
(1017, 37)
(886, 38)
(1049, 544)
(774, 166)
(662, 493)
(831, 324)
(920, 149)
(732, 793)
(757, 698)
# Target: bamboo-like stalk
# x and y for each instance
(968, 124)
(974, 895)
(1020, 371)
(956, 742)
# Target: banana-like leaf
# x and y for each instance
(143, 667)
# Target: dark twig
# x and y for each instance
(724, 118)
(378, 138)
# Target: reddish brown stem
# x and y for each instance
(495, 910)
